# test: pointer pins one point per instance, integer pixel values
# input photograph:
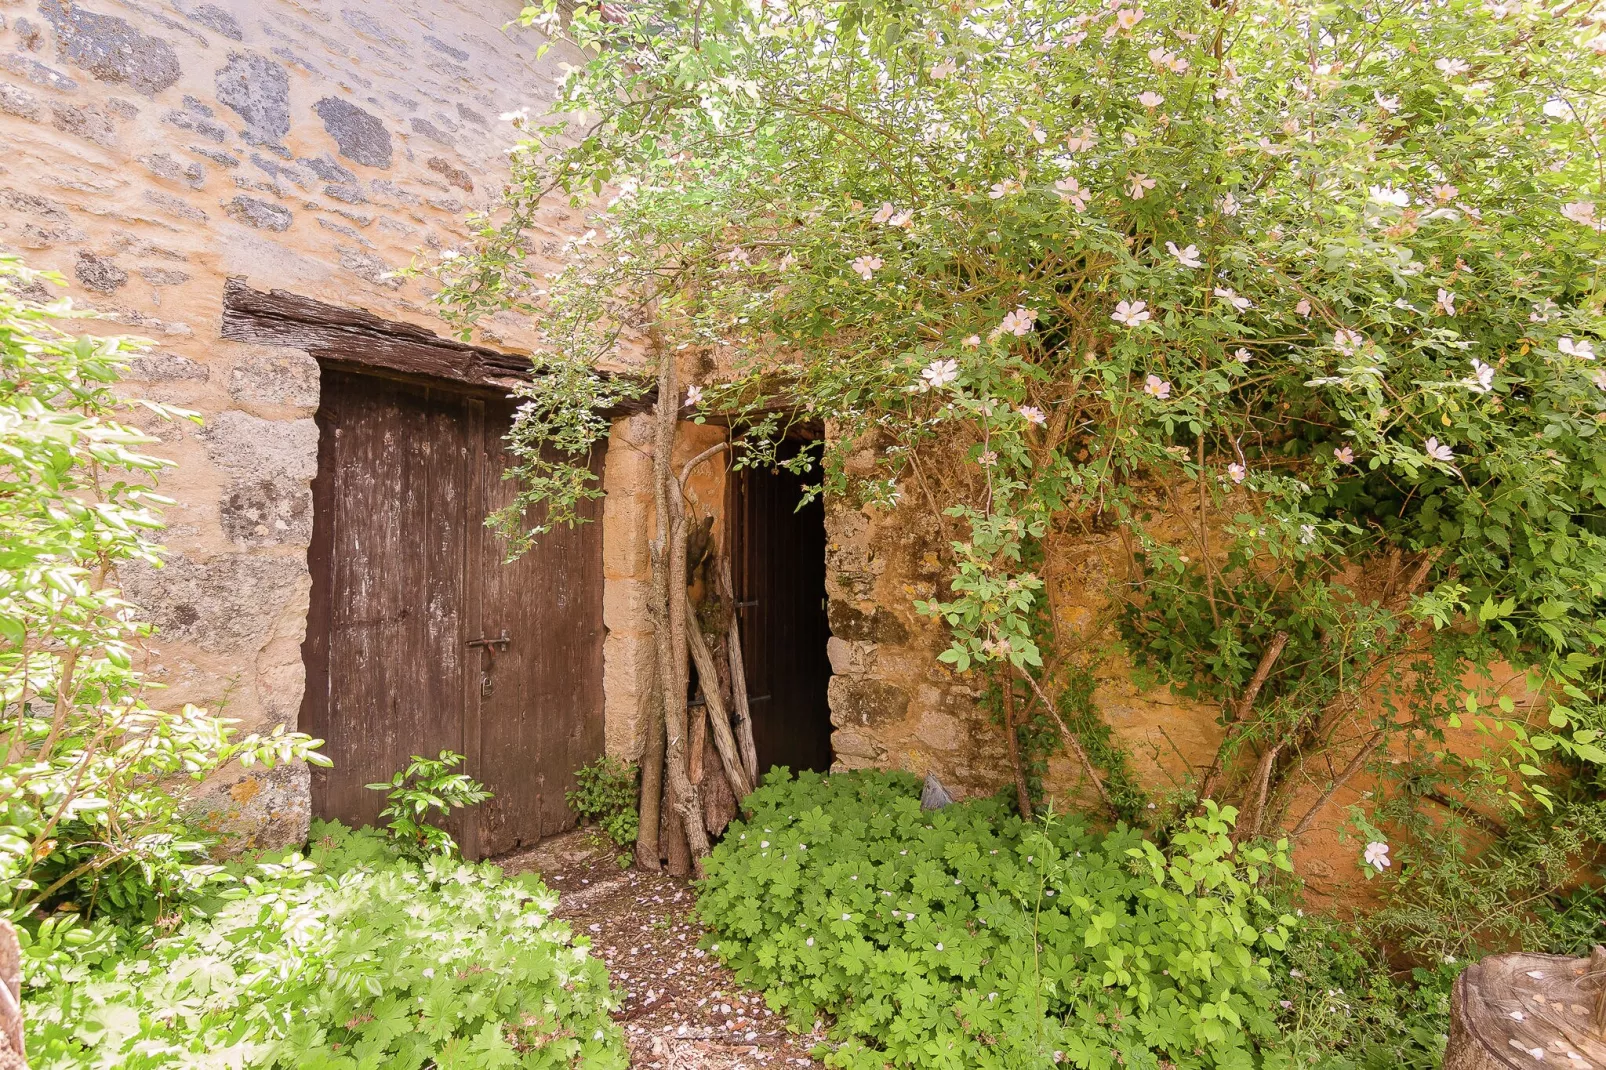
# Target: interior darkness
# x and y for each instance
(778, 561)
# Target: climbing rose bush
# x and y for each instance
(1316, 283)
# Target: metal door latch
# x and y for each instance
(492, 645)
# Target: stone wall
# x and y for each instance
(154, 148)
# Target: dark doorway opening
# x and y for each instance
(420, 638)
(778, 567)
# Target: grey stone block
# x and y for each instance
(267, 512)
(258, 90)
(99, 273)
(256, 449)
(110, 48)
(227, 604)
(215, 18)
(360, 135)
(261, 214)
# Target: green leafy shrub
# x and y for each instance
(91, 806)
(605, 794)
(350, 957)
(427, 788)
(965, 938)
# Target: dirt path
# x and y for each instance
(682, 1010)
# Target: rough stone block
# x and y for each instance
(847, 744)
(167, 368)
(849, 657)
(227, 604)
(624, 605)
(261, 214)
(258, 449)
(276, 375)
(879, 625)
(215, 18)
(862, 702)
(15, 100)
(100, 274)
(267, 512)
(258, 90)
(360, 135)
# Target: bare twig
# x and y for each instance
(1241, 710)
(1343, 778)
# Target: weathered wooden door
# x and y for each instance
(778, 566)
(420, 638)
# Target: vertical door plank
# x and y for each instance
(393, 522)
(543, 718)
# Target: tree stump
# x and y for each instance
(1518, 1011)
(13, 1056)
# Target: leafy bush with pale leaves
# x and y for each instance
(348, 958)
(965, 938)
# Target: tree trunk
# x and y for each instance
(1523, 1010)
(669, 601)
(672, 836)
(652, 784)
(1023, 798)
(13, 1054)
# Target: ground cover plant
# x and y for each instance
(965, 937)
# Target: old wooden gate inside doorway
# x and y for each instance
(419, 637)
(778, 561)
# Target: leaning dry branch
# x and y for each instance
(738, 670)
(1071, 740)
(1241, 711)
(718, 718)
(1354, 766)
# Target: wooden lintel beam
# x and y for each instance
(351, 337)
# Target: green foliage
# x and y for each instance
(605, 794)
(427, 789)
(965, 938)
(349, 957)
(1343, 1009)
(1298, 299)
(90, 811)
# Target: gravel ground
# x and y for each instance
(682, 1009)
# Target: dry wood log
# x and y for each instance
(13, 1054)
(719, 805)
(738, 670)
(652, 786)
(1519, 1011)
(718, 719)
(698, 738)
